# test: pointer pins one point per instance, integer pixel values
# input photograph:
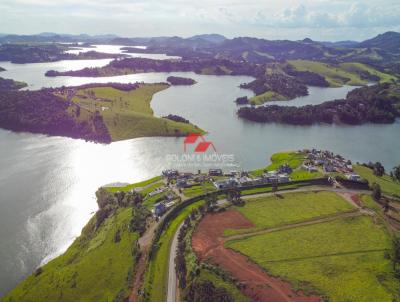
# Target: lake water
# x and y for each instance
(47, 184)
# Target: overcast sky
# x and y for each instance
(284, 19)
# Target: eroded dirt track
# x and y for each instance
(208, 244)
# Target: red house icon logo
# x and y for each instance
(201, 147)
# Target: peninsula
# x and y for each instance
(96, 112)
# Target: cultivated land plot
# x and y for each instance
(343, 259)
(272, 211)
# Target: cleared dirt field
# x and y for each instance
(208, 244)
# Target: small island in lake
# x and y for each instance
(180, 81)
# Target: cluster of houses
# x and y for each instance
(231, 179)
(330, 163)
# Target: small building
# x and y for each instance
(329, 168)
(283, 178)
(245, 181)
(181, 183)
(310, 168)
(353, 177)
(215, 172)
(157, 191)
(170, 196)
(159, 209)
(170, 173)
(285, 168)
(225, 184)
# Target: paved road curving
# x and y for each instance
(172, 283)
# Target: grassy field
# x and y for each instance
(343, 260)
(268, 96)
(127, 188)
(335, 75)
(272, 211)
(301, 174)
(157, 272)
(127, 114)
(94, 268)
(360, 67)
(199, 189)
(387, 184)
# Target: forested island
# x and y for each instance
(180, 81)
(374, 104)
(95, 112)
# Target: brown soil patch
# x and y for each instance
(208, 244)
(353, 198)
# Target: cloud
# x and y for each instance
(184, 17)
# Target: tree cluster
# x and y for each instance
(176, 118)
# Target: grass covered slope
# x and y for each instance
(343, 74)
(94, 268)
(127, 114)
(387, 184)
(343, 260)
(268, 96)
(272, 211)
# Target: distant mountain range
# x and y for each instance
(382, 50)
(390, 41)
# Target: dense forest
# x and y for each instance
(43, 112)
(374, 104)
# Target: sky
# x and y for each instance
(322, 20)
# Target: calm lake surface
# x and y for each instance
(47, 184)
